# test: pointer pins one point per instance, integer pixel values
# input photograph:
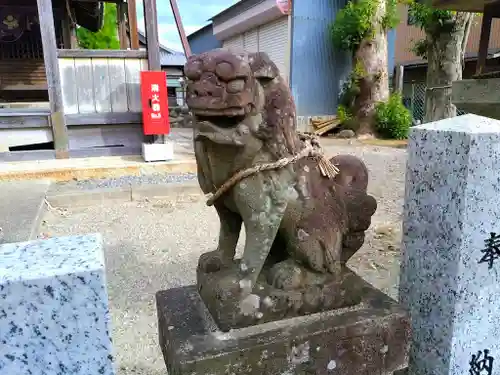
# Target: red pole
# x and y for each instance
(180, 28)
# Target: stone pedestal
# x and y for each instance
(450, 272)
(54, 316)
(369, 338)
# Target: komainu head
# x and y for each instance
(224, 83)
(227, 86)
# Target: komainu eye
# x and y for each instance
(193, 70)
(224, 71)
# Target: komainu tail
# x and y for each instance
(360, 206)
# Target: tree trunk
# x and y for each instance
(371, 57)
(445, 55)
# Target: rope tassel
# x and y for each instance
(312, 149)
(327, 168)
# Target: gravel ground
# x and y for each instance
(154, 178)
(153, 245)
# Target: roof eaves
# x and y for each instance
(469, 56)
(222, 12)
(200, 29)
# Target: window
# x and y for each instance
(410, 21)
(171, 92)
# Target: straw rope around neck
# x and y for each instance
(312, 149)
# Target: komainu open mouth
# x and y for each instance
(221, 120)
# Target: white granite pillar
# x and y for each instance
(54, 316)
(450, 272)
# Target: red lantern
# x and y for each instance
(284, 6)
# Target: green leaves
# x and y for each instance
(106, 38)
(343, 114)
(392, 119)
(391, 18)
(430, 19)
(420, 48)
(353, 24)
(356, 22)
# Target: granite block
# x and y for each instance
(54, 316)
(369, 338)
(452, 205)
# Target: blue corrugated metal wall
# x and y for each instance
(391, 45)
(203, 41)
(317, 69)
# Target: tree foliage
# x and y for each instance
(446, 35)
(432, 21)
(106, 37)
(361, 28)
(355, 22)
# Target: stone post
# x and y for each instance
(54, 316)
(450, 270)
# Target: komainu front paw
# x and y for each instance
(213, 261)
(286, 276)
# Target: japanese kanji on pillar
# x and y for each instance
(154, 96)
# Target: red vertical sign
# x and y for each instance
(154, 96)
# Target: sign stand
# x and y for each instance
(154, 97)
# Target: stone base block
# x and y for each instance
(369, 338)
(54, 316)
(158, 151)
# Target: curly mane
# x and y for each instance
(278, 129)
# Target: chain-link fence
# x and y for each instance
(414, 100)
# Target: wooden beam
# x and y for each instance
(27, 155)
(48, 36)
(132, 24)
(153, 47)
(20, 122)
(484, 41)
(23, 87)
(84, 153)
(66, 29)
(121, 13)
(111, 118)
(74, 38)
(152, 40)
(180, 28)
(98, 53)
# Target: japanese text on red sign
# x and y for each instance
(155, 101)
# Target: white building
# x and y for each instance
(255, 25)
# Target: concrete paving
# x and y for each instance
(21, 205)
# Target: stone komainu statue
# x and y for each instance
(301, 227)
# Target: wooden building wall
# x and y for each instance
(21, 54)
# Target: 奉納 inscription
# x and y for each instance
(481, 363)
(491, 251)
